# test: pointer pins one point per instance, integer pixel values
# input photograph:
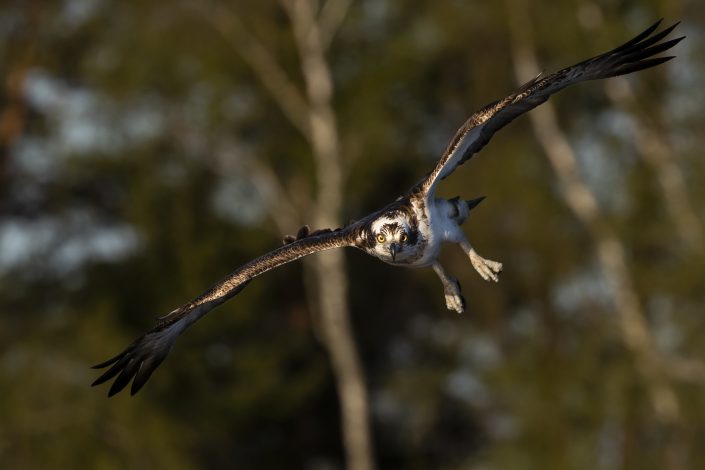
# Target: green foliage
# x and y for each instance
(535, 376)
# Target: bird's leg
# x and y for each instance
(487, 268)
(451, 289)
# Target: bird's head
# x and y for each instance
(393, 236)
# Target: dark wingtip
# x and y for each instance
(637, 54)
(117, 363)
(100, 380)
(645, 38)
(673, 26)
(110, 361)
(137, 385)
(653, 27)
(140, 359)
(109, 374)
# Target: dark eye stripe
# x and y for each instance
(390, 228)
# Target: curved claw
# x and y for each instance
(455, 302)
(489, 270)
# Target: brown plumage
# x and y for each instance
(407, 232)
(630, 57)
(139, 360)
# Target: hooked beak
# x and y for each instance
(394, 248)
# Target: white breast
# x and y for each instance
(437, 226)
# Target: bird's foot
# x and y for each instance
(454, 299)
(487, 268)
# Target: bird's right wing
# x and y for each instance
(137, 362)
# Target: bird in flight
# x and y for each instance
(409, 231)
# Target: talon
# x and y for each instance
(454, 299)
(455, 302)
(486, 268)
(451, 290)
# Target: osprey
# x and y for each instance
(409, 231)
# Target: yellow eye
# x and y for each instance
(403, 237)
(380, 238)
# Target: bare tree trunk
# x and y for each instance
(610, 251)
(329, 267)
(656, 151)
(312, 114)
(653, 144)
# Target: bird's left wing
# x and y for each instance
(630, 57)
(137, 362)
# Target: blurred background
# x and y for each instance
(149, 148)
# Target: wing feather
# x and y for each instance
(477, 131)
(139, 360)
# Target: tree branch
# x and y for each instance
(655, 149)
(255, 54)
(329, 267)
(330, 18)
(581, 200)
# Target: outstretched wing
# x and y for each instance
(137, 362)
(630, 57)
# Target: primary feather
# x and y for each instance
(481, 126)
(144, 355)
(408, 231)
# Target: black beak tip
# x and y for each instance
(393, 250)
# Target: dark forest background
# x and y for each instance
(148, 148)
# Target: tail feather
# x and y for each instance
(472, 203)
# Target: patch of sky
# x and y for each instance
(438, 130)
(480, 351)
(684, 98)
(444, 332)
(239, 104)
(605, 166)
(10, 22)
(198, 101)
(401, 352)
(667, 334)
(240, 200)
(502, 426)
(467, 387)
(32, 157)
(60, 245)
(74, 13)
(610, 443)
(523, 321)
(387, 407)
(83, 121)
(375, 14)
(585, 287)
